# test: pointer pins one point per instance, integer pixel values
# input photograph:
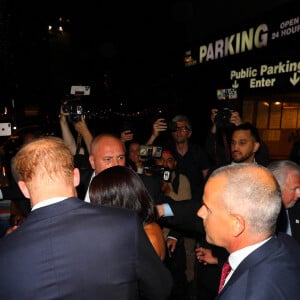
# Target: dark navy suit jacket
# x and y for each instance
(294, 219)
(270, 272)
(72, 250)
(294, 216)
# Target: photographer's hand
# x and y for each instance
(126, 135)
(158, 126)
(235, 118)
(66, 132)
(166, 188)
(82, 128)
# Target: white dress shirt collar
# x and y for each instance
(47, 202)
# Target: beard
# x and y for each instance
(243, 158)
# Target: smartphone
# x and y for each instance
(5, 129)
(82, 90)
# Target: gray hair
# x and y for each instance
(282, 168)
(184, 118)
(253, 193)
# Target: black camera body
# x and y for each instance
(149, 154)
(162, 172)
(74, 109)
(222, 119)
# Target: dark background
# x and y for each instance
(129, 52)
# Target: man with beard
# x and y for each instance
(245, 142)
(218, 141)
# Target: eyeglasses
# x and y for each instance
(182, 129)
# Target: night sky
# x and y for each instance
(129, 52)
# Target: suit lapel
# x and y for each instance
(294, 216)
(251, 260)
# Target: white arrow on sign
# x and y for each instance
(235, 85)
(295, 79)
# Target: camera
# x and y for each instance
(227, 94)
(222, 119)
(5, 129)
(162, 172)
(148, 152)
(80, 90)
(74, 109)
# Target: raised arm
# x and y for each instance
(82, 128)
(66, 132)
(158, 126)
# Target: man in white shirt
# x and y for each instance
(241, 203)
(106, 151)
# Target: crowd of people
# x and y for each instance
(103, 220)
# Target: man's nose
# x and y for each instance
(298, 192)
(234, 147)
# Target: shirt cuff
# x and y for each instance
(168, 211)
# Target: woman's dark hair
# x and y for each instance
(120, 186)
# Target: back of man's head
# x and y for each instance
(45, 169)
(47, 157)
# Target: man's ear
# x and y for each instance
(92, 161)
(76, 177)
(24, 189)
(256, 147)
(238, 224)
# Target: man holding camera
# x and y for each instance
(218, 140)
(180, 260)
(192, 160)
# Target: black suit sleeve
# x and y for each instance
(185, 217)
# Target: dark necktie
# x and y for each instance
(225, 271)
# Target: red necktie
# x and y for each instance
(225, 271)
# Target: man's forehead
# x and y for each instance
(241, 134)
(293, 177)
(108, 149)
(110, 142)
(167, 154)
(181, 123)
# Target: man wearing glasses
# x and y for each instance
(191, 159)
